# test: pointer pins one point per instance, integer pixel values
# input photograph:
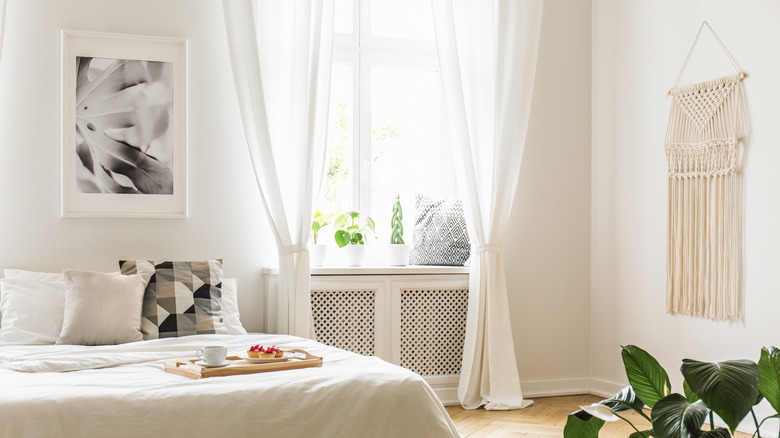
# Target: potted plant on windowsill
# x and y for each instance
(318, 250)
(398, 251)
(350, 236)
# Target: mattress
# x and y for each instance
(123, 391)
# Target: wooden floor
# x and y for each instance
(545, 418)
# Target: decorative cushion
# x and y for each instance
(102, 309)
(32, 310)
(230, 307)
(440, 236)
(181, 299)
(33, 275)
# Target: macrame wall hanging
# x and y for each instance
(704, 230)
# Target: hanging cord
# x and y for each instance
(742, 75)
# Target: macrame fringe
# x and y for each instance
(704, 229)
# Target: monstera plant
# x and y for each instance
(729, 389)
(123, 135)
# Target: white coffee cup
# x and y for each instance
(212, 354)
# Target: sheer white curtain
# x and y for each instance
(487, 54)
(280, 52)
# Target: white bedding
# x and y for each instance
(131, 396)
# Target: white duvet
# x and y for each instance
(122, 391)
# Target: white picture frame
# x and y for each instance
(123, 151)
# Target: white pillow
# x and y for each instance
(230, 313)
(32, 275)
(102, 309)
(32, 310)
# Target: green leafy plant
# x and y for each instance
(729, 389)
(397, 223)
(351, 230)
(320, 221)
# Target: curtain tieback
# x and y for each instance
(488, 248)
(292, 249)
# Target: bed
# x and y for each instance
(82, 355)
(123, 391)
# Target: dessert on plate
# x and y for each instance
(258, 351)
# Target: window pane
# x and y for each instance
(336, 192)
(343, 21)
(406, 156)
(405, 19)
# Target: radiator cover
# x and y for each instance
(433, 328)
(345, 319)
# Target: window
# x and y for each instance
(385, 133)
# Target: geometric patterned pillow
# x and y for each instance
(440, 236)
(181, 298)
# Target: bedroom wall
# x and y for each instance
(638, 49)
(547, 246)
(225, 217)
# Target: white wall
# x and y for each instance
(225, 216)
(547, 246)
(548, 241)
(638, 48)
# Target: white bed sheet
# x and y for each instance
(131, 396)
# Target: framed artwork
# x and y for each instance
(124, 114)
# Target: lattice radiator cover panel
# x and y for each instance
(345, 319)
(433, 329)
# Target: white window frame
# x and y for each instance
(363, 51)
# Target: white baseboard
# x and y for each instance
(605, 388)
(448, 396)
(446, 388)
(554, 387)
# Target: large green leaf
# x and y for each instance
(342, 238)
(674, 417)
(579, 428)
(769, 370)
(342, 219)
(717, 433)
(645, 374)
(729, 388)
(689, 394)
(624, 400)
(642, 434)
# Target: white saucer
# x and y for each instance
(209, 365)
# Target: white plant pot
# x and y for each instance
(397, 255)
(318, 253)
(354, 254)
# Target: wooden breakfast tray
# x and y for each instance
(187, 367)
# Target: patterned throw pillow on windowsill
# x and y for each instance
(440, 235)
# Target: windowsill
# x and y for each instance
(379, 270)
